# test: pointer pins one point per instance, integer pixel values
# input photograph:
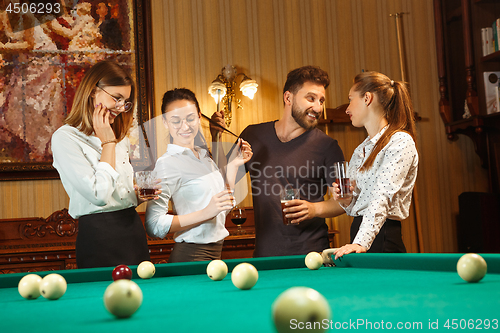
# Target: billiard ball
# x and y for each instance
(217, 270)
(244, 276)
(301, 304)
(53, 286)
(122, 298)
(29, 286)
(146, 270)
(471, 267)
(314, 260)
(121, 272)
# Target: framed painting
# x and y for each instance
(43, 57)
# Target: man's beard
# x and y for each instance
(301, 118)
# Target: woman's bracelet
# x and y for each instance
(108, 141)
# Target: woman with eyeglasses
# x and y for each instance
(200, 195)
(91, 154)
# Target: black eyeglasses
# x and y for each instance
(127, 105)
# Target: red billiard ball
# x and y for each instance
(122, 272)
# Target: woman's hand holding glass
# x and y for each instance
(141, 198)
(336, 193)
(220, 202)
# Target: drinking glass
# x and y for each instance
(146, 181)
(238, 216)
(288, 193)
(342, 178)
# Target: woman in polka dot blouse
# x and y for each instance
(383, 168)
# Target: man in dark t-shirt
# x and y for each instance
(292, 151)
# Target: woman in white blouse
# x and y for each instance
(192, 182)
(91, 154)
(383, 167)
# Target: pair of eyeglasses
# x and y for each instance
(176, 122)
(127, 105)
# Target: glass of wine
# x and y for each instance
(238, 216)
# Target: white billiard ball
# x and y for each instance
(122, 298)
(29, 286)
(217, 270)
(244, 276)
(314, 260)
(471, 267)
(53, 286)
(146, 270)
(300, 304)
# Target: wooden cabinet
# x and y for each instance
(44, 244)
(461, 68)
(38, 244)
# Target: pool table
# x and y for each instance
(367, 292)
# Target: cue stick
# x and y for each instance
(399, 37)
(151, 157)
(216, 140)
(416, 203)
(221, 169)
(219, 126)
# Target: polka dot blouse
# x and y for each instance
(385, 190)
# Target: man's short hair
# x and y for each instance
(296, 78)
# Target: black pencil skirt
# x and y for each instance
(388, 240)
(111, 239)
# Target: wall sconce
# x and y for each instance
(222, 90)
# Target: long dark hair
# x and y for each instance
(396, 102)
(180, 94)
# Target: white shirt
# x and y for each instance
(92, 186)
(190, 183)
(385, 190)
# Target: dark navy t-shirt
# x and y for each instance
(306, 162)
